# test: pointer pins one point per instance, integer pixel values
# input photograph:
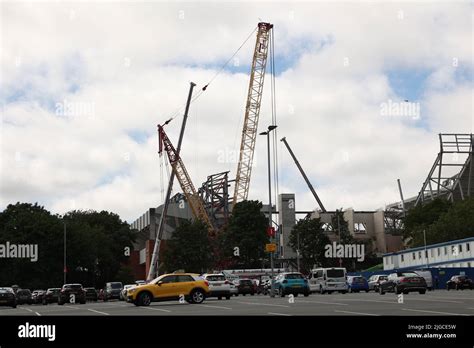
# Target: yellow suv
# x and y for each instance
(176, 286)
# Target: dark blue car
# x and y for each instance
(291, 283)
(357, 283)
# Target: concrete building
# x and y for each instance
(456, 253)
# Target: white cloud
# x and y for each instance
(131, 64)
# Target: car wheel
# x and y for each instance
(350, 290)
(381, 292)
(306, 294)
(44, 303)
(366, 290)
(397, 290)
(252, 293)
(60, 303)
(219, 298)
(321, 291)
(14, 305)
(281, 292)
(422, 292)
(343, 292)
(227, 297)
(296, 295)
(144, 299)
(197, 296)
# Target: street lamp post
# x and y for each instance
(267, 133)
(64, 269)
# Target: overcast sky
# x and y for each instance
(83, 86)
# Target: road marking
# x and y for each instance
(215, 306)
(27, 309)
(360, 300)
(72, 307)
(92, 310)
(375, 315)
(419, 310)
(263, 304)
(330, 303)
(434, 300)
(39, 315)
(156, 309)
(286, 315)
(450, 298)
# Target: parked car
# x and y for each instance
(112, 290)
(51, 295)
(37, 296)
(246, 286)
(7, 297)
(91, 294)
(168, 287)
(375, 280)
(428, 278)
(459, 282)
(24, 296)
(68, 290)
(234, 289)
(123, 293)
(403, 282)
(219, 286)
(357, 283)
(291, 283)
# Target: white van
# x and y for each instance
(324, 280)
(428, 278)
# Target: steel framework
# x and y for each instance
(215, 195)
(252, 112)
(451, 174)
(194, 200)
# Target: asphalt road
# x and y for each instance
(438, 302)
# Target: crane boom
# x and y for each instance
(194, 200)
(252, 112)
(311, 188)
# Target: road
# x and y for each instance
(438, 302)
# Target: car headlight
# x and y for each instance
(131, 291)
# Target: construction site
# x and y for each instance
(450, 177)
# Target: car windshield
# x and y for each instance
(246, 281)
(73, 286)
(294, 276)
(5, 290)
(214, 278)
(116, 286)
(409, 274)
(335, 273)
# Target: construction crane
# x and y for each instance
(194, 200)
(311, 188)
(252, 112)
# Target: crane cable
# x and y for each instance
(203, 89)
(274, 119)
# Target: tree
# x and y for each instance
(189, 248)
(312, 243)
(421, 217)
(96, 242)
(455, 222)
(242, 243)
(25, 223)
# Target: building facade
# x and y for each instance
(456, 253)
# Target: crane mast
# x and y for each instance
(252, 112)
(194, 200)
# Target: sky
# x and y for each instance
(84, 84)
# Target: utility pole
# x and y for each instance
(267, 133)
(298, 251)
(159, 233)
(65, 265)
(426, 251)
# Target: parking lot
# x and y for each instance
(438, 302)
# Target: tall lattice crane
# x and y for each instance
(252, 112)
(194, 200)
